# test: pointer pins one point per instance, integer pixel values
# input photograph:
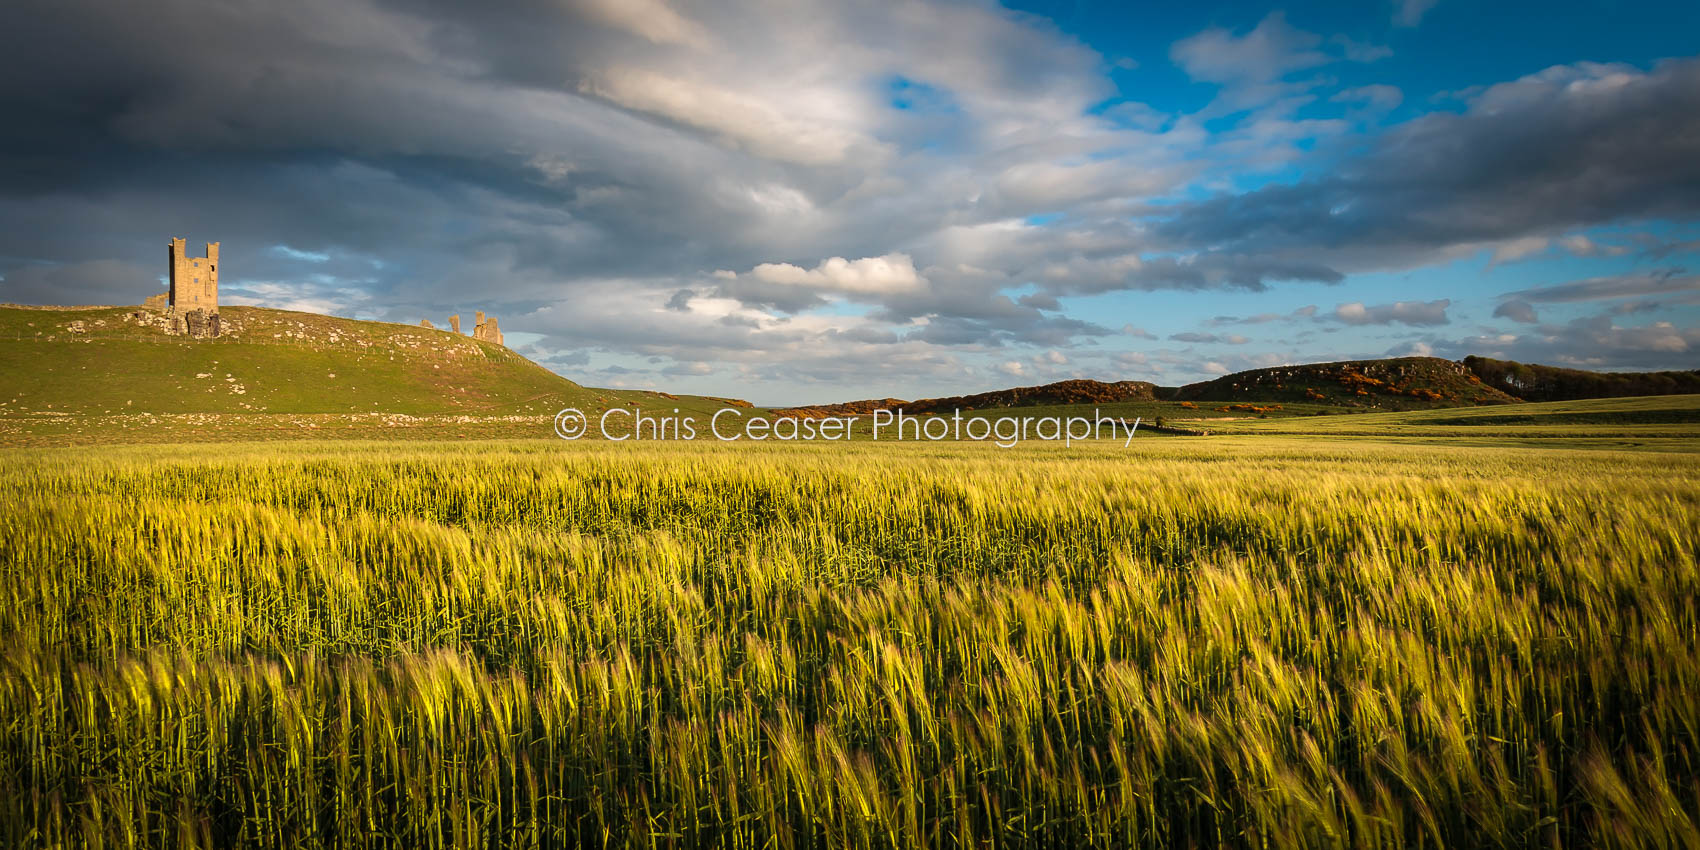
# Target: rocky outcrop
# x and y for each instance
(196, 324)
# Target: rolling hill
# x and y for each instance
(1534, 382)
(1401, 383)
(1405, 383)
(102, 361)
(1060, 393)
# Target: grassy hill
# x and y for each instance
(100, 361)
(1077, 391)
(1405, 383)
(1401, 383)
(1534, 382)
(1667, 423)
(79, 376)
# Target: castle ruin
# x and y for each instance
(194, 280)
(190, 304)
(484, 328)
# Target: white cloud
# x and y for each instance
(1409, 13)
(1256, 69)
(656, 146)
(1414, 348)
(1591, 342)
(1513, 250)
(1662, 282)
(1582, 246)
(811, 135)
(1269, 51)
(653, 20)
(1382, 98)
(869, 275)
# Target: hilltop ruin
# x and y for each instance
(484, 328)
(189, 306)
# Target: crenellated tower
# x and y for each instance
(193, 297)
(194, 280)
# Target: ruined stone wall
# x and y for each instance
(487, 329)
(484, 327)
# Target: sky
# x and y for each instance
(813, 201)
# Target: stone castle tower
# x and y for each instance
(192, 300)
(194, 280)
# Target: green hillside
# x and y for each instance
(1668, 422)
(100, 361)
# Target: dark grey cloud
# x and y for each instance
(1305, 312)
(1040, 301)
(1571, 147)
(1670, 281)
(1208, 338)
(585, 168)
(1517, 310)
(1665, 249)
(681, 300)
(1417, 313)
(88, 283)
(1588, 342)
(440, 156)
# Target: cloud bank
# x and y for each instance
(822, 198)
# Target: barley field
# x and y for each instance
(1254, 641)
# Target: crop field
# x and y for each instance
(1258, 641)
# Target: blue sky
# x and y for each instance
(814, 201)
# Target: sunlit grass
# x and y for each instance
(1258, 643)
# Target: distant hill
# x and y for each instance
(1405, 383)
(1395, 384)
(1401, 383)
(97, 360)
(1533, 382)
(1077, 391)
